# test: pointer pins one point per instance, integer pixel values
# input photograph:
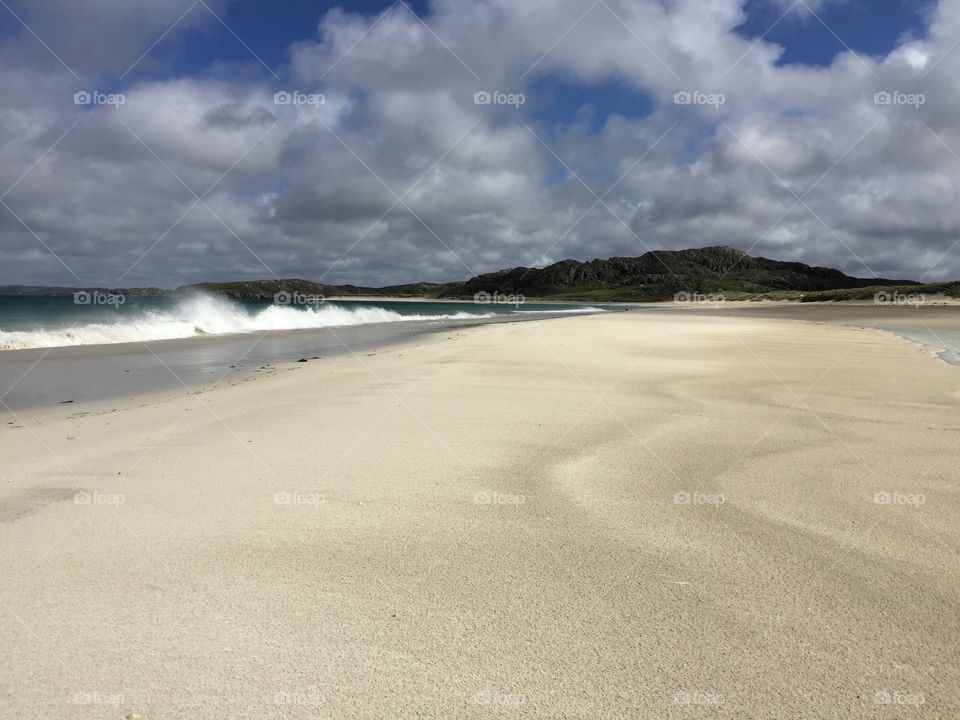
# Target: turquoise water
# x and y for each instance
(28, 322)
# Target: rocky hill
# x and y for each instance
(660, 274)
(656, 275)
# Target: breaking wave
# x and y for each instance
(208, 315)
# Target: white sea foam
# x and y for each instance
(206, 315)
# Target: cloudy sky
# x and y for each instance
(164, 142)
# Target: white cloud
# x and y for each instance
(312, 190)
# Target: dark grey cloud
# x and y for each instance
(106, 36)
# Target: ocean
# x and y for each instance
(98, 319)
(60, 351)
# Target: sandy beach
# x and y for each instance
(630, 515)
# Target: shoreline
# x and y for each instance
(46, 378)
(42, 378)
(56, 322)
(935, 327)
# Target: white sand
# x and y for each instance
(485, 524)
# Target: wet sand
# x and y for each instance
(45, 377)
